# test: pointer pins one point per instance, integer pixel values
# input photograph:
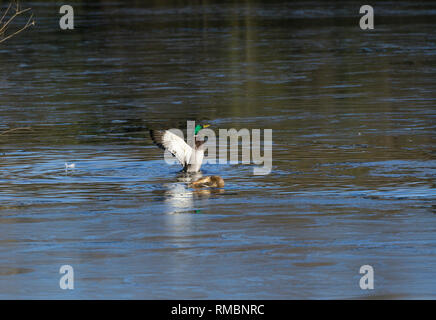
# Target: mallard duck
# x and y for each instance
(191, 159)
(209, 181)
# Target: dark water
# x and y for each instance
(353, 178)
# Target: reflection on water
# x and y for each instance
(178, 198)
(352, 182)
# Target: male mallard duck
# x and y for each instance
(191, 159)
(209, 181)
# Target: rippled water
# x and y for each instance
(353, 178)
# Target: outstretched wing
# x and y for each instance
(167, 140)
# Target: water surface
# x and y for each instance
(353, 177)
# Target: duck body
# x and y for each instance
(196, 158)
(209, 181)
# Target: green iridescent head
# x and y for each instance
(198, 127)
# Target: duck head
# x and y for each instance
(198, 127)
